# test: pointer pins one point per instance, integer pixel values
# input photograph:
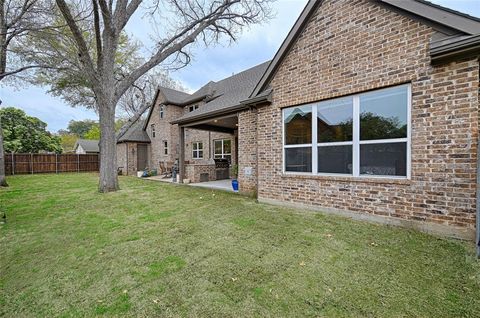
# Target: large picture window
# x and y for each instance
(362, 135)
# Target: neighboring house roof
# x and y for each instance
(87, 145)
(448, 22)
(225, 95)
(135, 133)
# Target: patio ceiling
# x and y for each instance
(226, 124)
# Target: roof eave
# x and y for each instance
(254, 101)
(464, 48)
(286, 45)
(456, 23)
(212, 115)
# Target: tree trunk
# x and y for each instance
(3, 181)
(108, 148)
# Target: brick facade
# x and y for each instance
(164, 131)
(354, 46)
(127, 157)
(247, 156)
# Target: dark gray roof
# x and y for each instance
(226, 94)
(135, 133)
(88, 145)
(172, 95)
(446, 21)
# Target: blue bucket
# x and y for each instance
(235, 185)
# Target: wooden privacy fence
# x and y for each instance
(22, 163)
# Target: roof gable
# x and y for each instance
(446, 21)
(87, 145)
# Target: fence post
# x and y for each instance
(78, 162)
(13, 164)
(31, 161)
(56, 162)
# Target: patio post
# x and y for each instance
(181, 159)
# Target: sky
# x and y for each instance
(256, 45)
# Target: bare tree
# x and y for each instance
(183, 21)
(19, 18)
(139, 97)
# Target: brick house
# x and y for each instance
(394, 88)
(204, 141)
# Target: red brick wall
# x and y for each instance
(354, 46)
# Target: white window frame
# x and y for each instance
(192, 108)
(162, 111)
(197, 151)
(356, 142)
(223, 154)
(165, 147)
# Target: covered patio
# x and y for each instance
(224, 152)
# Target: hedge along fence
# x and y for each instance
(23, 163)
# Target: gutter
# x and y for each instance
(212, 115)
(244, 105)
(449, 50)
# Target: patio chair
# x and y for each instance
(165, 172)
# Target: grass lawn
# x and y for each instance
(155, 249)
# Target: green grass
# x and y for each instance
(156, 249)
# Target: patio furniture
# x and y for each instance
(165, 171)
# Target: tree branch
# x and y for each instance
(84, 55)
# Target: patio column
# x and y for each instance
(181, 159)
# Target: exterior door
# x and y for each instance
(142, 158)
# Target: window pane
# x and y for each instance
(200, 154)
(335, 120)
(383, 114)
(200, 145)
(384, 159)
(298, 159)
(194, 146)
(335, 159)
(298, 125)
(218, 146)
(227, 146)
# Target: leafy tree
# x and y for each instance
(96, 28)
(25, 134)
(81, 127)
(93, 133)
(67, 141)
